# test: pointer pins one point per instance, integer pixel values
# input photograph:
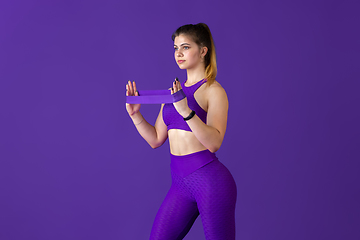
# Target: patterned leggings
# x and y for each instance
(210, 191)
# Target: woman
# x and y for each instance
(195, 127)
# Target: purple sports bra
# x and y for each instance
(173, 119)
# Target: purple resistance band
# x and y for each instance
(156, 97)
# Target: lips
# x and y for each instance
(181, 61)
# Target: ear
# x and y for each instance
(203, 51)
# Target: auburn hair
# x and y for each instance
(201, 35)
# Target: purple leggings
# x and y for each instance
(200, 185)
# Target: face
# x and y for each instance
(187, 53)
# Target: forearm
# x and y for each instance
(145, 129)
(209, 136)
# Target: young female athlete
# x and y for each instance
(195, 127)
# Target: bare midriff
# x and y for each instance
(183, 142)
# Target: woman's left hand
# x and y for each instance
(182, 105)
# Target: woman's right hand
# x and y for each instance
(132, 91)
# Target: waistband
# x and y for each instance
(187, 164)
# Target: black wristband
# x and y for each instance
(190, 115)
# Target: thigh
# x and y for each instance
(216, 199)
(175, 217)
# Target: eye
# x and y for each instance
(176, 48)
(186, 47)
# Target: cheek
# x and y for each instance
(194, 55)
(189, 54)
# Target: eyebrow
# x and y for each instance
(183, 44)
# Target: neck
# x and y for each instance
(195, 75)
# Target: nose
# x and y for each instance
(178, 53)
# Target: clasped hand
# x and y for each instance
(181, 106)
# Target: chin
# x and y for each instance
(181, 67)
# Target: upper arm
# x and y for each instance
(218, 106)
(161, 128)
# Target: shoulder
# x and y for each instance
(215, 90)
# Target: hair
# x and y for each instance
(201, 35)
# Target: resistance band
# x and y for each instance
(156, 97)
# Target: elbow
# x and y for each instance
(215, 144)
(157, 142)
(214, 148)
(155, 145)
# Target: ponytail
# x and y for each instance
(210, 58)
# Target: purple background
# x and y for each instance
(72, 165)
